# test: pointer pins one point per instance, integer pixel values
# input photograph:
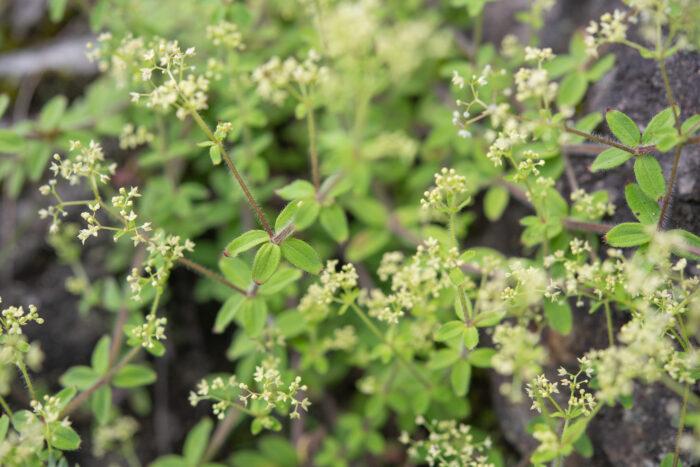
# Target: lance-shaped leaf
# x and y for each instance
(623, 128)
(610, 158)
(246, 241)
(650, 177)
(645, 209)
(301, 255)
(266, 261)
(627, 234)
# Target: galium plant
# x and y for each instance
(402, 314)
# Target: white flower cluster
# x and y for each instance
(315, 304)
(276, 79)
(49, 409)
(271, 389)
(593, 208)
(111, 435)
(519, 355)
(513, 133)
(132, 137)
(226, 34)
(13, 318)
(163, 251)
(88, 163)
(413, 282)
(179, 87)
(391, 144)
(448, 444)
(152, 330)
(611, 28)
(448, 195)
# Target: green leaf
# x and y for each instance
(246, 241)
(645, 209)
(279, 280)
(301, 255)
(4, 102)
(690, 240)
(102, 403)
(306, 213)
(100, 356)
(623, 128)
(63, 437)
(132, 375)
(171, 460)
(51, 113)
(266, 262)
(235, 270)
(215, 154)
(459, 377)
(369, 211)
(584, 446)
(10, 142)
(627, 234)
(610, 158)
(650, 177)
(57, 9)
(690, 123)
(471, 337)
(559, 316)
(495, 202)
(572, 89)
(574, 431)
(298, 189)
(481, 358)
(668, 461)
(662, 121)
(366, 243)
(81, 377)
(286, 216)
(254, 315)
(4, 426)
(442, 358)
(335, 222)
(64, 396)
(449, 330)
(196, 441)
(227, 312)
(600, 67)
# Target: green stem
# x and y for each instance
(678, 388)
(210, 274)
(312, 142)
(409, 366)
(608, 320)
(669, 189)
(477, 33)
(30, 387)
(681, 425)
(203, 125)
(6, 407)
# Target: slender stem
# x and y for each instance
(676, 387)
(669, 188)
(587, 226)
(210, 274)
(6, 407)
(477, 33)
(681, 425)
(596, 138)
(30, 387)
(401, 358)
(311, 124)
(75, 403)
(220, 434)
(608, 320)
(203, 125)
(669, 95)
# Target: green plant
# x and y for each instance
(354, 109)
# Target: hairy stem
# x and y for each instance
(30, 387)
(203, 125)
(681, 425)
(669, 188)
(75, 403)
(311, 124)
(210, 274)
(608, 320)
(6, 407)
